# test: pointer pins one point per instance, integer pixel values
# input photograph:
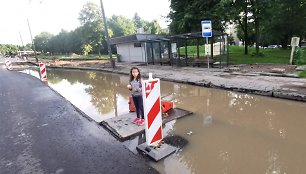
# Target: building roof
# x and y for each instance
(158, 38)
(134, 38)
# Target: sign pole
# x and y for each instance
(206, 32)
(207, 54)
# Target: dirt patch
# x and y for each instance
(269, 68)
(74, 63)
(243, 68)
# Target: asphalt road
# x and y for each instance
(41, 132)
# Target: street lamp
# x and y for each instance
(107, 37)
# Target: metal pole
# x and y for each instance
(33, 45)
(207, 54)
(107, 37)
(152, 52)
(146, 54)
(198, 52)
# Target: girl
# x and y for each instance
(135, 87)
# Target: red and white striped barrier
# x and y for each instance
(43, 71)
(8, 65)
(152, 110)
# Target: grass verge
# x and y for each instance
(303, 74)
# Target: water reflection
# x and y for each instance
(99, 96)
(231, 132)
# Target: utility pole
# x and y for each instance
(21, 41)
(33, 45)
(112, 62)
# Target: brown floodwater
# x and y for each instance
(229, 132)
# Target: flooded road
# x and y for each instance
(229, 132)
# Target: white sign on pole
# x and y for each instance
(206, 28)
(295, 41)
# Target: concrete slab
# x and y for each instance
(157, 153)
(123, 128)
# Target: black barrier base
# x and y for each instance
(157, 153)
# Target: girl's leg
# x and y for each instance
(141, 107)
(135, 100)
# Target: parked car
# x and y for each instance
(273, 46)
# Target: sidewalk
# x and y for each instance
(41, 132)
(255, 83)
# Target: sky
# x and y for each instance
(53, 15)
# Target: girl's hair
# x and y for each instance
(131, 75)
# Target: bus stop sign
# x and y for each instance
(206, 28)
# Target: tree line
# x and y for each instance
(259, 22)
(89, 37)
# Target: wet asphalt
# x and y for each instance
(42, 132)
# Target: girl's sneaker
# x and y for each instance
(140, 122)
(136, 120)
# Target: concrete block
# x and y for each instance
(157, 153)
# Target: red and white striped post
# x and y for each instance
(43, 71)
(8, 65)
(152, 110)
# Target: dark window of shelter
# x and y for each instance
(137, 44)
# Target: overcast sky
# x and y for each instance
(54, 15)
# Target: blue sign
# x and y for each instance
(206, 28)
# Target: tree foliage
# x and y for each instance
(42, 41)
(259, 21)
(186, 15)
(8, 49)
(121, 26)
(91, 32)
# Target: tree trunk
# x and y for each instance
(257, 35)
(246, 39)
(284, 41)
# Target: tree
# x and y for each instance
(89, 14)
(154, 27)
(8, 49)
(259, 13)
(42, 41)
(238, 11)
(121, 26)
(186, 15)
(92, 26)
(138, 22)
(286, 19)
(86, 49)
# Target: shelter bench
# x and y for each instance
(165, 61)
(203, 61)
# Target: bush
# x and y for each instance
(302, 74)
(299, 56)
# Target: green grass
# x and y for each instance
(237, 56)
(303, 74)
(192, 50)
(271, 56)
